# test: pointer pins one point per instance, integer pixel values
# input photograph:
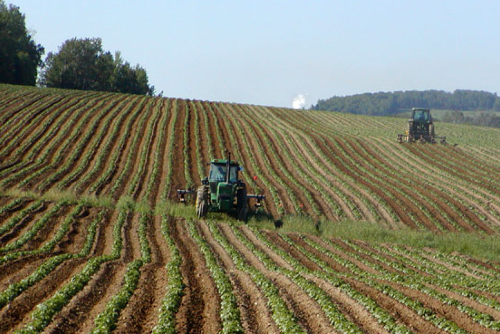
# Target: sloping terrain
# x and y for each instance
(86, 245)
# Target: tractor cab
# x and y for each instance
(421, 115)
(420, 121)
(222, 190)
(222, 183)
(218, 171)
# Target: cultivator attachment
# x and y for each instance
(405, 138)
(259, 199)
(181, 193)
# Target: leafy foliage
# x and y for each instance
(20, 56)
(391, 103)
(83, 64)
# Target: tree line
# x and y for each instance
(391, 103)
(80, 63)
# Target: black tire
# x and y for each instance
(242, 208)
(201, 202)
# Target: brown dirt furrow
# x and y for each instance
(410, 259)
(387, 268)
(449, 312)
(314, 161)
(260, 245)
(90, 301)
(24, 224)
(129, 151)
(309, 314)
(483, 293)
(15, 105)
(456, 171)
(55, 144)
(103, 243)
(4, 200)
(226, 128)
(229, 126)
(79, 315)
(155, 195)
(178, 180)
(6, 215)
(148, 147)
(340, 253)
(467, 301)
(456, 156)
(337, 157)
(390, 259)
(162, 177)
(38, 131)
(278, 241)
(394, 186)
(74, 240)
(63, 156)
(487, 266)
(26, 125)
(451, 267)
(398, 310)
(255, 316)
(193, 145)
(273, 120)
(212, 129)
(199, 309)
(106, 151)
(441, 199)
(275, 162)
(345, 255)
(353, 311)
(303, 124)
(319, 146)
(202, 134)
(16, 270)
(279, 160)
(430, 194)
(400, 204)
(141, 313)
(17, 313)
(94, 145)
(443, 183)
(48, 231)
(134, 154)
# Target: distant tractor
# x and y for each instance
(222, 191)
(420, 128)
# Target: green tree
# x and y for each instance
(82, 64)
(132, 80)
(79, 64)
(20, 56)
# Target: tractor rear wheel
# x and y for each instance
(242, 204)
(202, 201)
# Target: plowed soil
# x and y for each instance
(305, 161)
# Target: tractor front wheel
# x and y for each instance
(242, 204)
(202, 201)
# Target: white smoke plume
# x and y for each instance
(299, 101)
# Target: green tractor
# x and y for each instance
(420, 128)
(222, 191)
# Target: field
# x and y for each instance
(91, 239)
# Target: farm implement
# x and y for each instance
(420, 128)
(222, 191)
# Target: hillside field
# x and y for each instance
(92, 239)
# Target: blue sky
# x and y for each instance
(272, 52)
